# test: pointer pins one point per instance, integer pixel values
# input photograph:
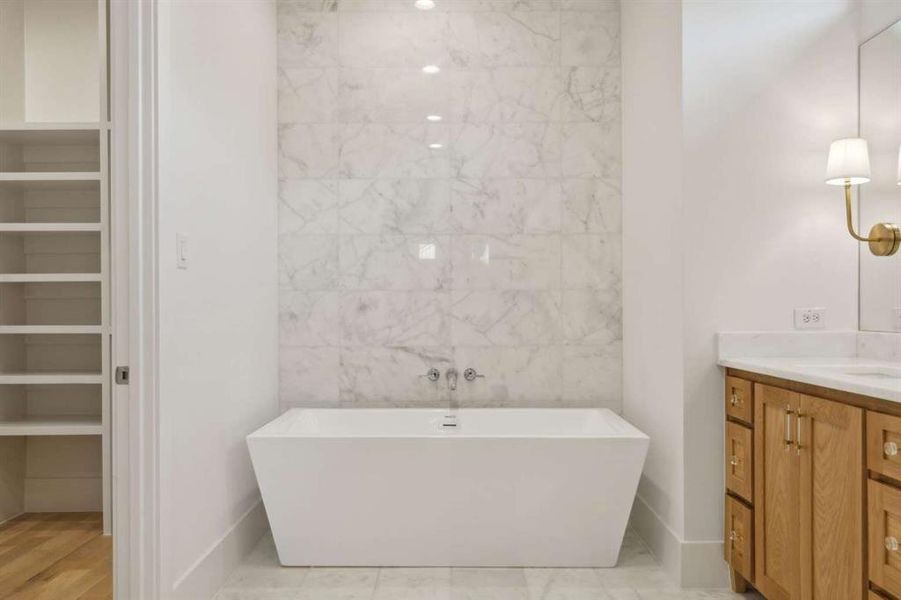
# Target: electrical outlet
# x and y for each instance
(810, 318)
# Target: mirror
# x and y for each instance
(880, 199)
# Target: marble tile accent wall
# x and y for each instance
(490, 238)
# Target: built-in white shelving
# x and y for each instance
(55, 333)
(49, 277)
(52, 425)
(50, 378)
(48, 227)
(48, 176)
(50, 329)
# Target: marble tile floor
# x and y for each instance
(636, 577)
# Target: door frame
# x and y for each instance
(135, 422)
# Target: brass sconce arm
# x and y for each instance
(884, 238)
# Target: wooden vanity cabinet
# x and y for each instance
(808, 500)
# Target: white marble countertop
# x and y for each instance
(855, 374)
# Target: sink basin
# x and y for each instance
(865, 371)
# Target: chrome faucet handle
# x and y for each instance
(471, 374)
(432, 374)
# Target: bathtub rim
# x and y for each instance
(270, 431)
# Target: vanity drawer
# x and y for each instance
(739, 542)
(739, 401)
(739, 460)
(885, 536)
(884, 444)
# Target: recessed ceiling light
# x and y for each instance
(431, 69)
(436, 146)
(436, 118)
(424, 4)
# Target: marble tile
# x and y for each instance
(308, 376)
(504, 39)
(307, 206)
(593, 375)
(371, 262)
(307, 95)
(395, 318)
(506, 95)
(504, 318)
(591, 206)
(306, 38)
(270, 576)
(591, 150)
(564, 584)
(394, 95)
(392, 376)
(522, 376)
(307, 262)
(591, 94)
(413, 584)
(590, 38)
(590, 5)
(637, 577)
(500, 5)
(325, 583)
(506, 206)
(591, 261)
(312, 5)
(411, 38)
(504, 242)
(308, 150)
(511, 262)
(593, 315)
(394, 151)
(509, 150)
(485, 584)
(309, 318)
(395, 206)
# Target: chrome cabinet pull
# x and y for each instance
(734, 461)
(787, 434)
(733, 536)
(891, 543)
(890, 449)
(798, 437)
(736, 399)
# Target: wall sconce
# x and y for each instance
(849, 164)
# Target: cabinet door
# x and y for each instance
(776, 494)
(829, 441)
(885, 536)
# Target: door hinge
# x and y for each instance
(122, 375)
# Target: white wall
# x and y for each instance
(218, 327)
(652, 252)
(765, 87)
(876, 15)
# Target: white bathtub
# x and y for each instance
(392, 487)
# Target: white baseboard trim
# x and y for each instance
(209, 573)
(690, 564)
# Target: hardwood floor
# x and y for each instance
(54, 556)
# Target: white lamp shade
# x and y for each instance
(849, 162)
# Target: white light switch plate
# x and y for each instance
(810, 318)
(181, 250)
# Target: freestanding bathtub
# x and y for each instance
(395, 487)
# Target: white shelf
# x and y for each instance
(43, 176)
(48, 277)
(54, 329)
(53, 126)
(50, 378)
(52, 425)
(47, 227)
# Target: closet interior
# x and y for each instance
(54, 258)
